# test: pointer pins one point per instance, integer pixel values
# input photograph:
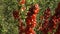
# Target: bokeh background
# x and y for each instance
(10, 26)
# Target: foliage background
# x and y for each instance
(10, 26)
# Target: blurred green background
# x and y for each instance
(10, 26)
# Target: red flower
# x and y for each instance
(29, 31)
(36, 8)
(31, 19)
(22, 2)
(15, 14)
(47, 13)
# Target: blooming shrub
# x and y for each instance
(29, 16)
